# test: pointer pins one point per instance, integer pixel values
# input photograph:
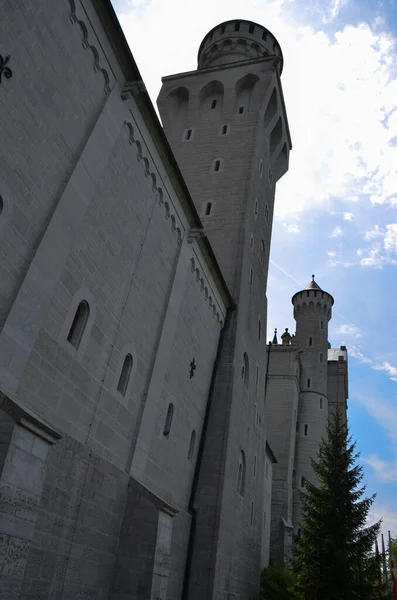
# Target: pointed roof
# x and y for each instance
(312, 285)
(275, 337)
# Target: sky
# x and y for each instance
(335, 211)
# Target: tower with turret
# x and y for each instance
(227, 126)
(306, 380)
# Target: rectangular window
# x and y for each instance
(308, 383)
(217, 165)
(321, 402)
(310, 341)
(303, 482)
(306, 428)
(297, 427)
(188, 134)
(321, 324)
(255, 465)
(257, 377)
(224, 130)
(252, 513)
(321, 357)
(241, 110)
(213, 105)
(251, 275)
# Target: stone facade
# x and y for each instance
(306, 382)
(135, 451)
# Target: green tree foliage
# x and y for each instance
(334, 557)
(277, 583)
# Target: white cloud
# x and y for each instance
(331, 253)
(353, 82)
(388, 515)
(385, 470)
(336, 232)
(388, 368)
(349, 330)
(348, 216)
(291, 227)
(385, 366)
(333, 10)
(383, 248)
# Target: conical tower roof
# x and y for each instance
(312, 285)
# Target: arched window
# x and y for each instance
(241, 474)
(263, 253)
(191, 445)
(125, 375)
(245, 372)
(168, 420)
(79, 323)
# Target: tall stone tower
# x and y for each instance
(306, 380)
(312, 311)
(227, 125)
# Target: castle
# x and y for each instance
(152, 444)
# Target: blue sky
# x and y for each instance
(336, 208)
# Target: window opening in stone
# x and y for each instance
(241, 110)
(217, 165)
(237, 27)
(1, 204)
(245, 370)
(306, 428)
(321, 402)
(251, 241)
(213, 104)
(251, 276)
(168, 420)
(321, 357)
(125, 375)
(260, 168)
(259, 329)
(224, 130)
(252, 513)
(241, 474)
(208, 209)
(308, 383)
(191, 445)
(310, 341)
(188, 134)
(303, 480)
(321, 324)
(257, 377)
(256, 207)
(79, 324)
(251, 28)
(255, 465)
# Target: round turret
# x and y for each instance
(235, 41)
(313, 299)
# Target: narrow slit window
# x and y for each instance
(252, 242)
(303, 481)
(259, 329)
(321, 357)
(252, 513)
(241, 110)
(188, 134)
(241, 474)
(237, 27)
(309, 383)
(306, 428)
(125, 375)
(192, 445)
(168, 420)
(251, 28)
(256, 207)
(224, 130)
(310, 341)
(208, 208)
(217, 165)
(251, 275)
(213, 104)
(297, 427)
(321, 402)
(260, 168)
(79, 324)
(255, 465)
(257, 377)
(321, 324)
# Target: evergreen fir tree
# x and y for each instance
(334, 557)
